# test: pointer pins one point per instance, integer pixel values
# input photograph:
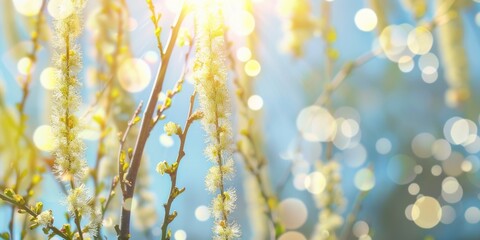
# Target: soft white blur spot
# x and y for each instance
(450, 185)
(383, 146)
(173, 5)
(408, 212)
(422, 145)
(393, 41)
(418, 169)
(166, 141)
(244, 54)
(413, 189)
(420, 40)
(299, 181)
(255, 102)
(202, 213)
(27, 7)
(472, 215)
(366, 19)
(292, 236)
(24, 65)
(292, 213)
(252, 68)
(44, 139)
(448, 214)
(48, 78)
(316, 124)
(360, 228)
(151, 57)
(441, 149)
(242, 23)
(428, 60)
(364, 179)
(134, 75)
(406, 64)
(436, 170)
(180, 235)
(349, 128)
(315, 183)
(455, 191)
(429, 75)
(426, 212)
(60, 9)
(466, 166)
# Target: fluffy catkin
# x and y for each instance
(454, 54)
(329, 202)
(69, 160)
(70, 165)
(417, 7)
(299, 25)
(210, 75)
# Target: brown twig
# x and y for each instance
(33, 214)
(156, 23)
(25, 93)
(176, 89)
(174, 191)
(146, 126)
(121, 152)
(343, 74)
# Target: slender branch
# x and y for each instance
(146, 126)
(108, 108)
(171, 93)
(357, 205)
(33, 57)
(158, 29)
(345, 72)
(27, 209)
(121, 153)
(174, 191)
(25, 92)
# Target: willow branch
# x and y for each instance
(174, 191)
(146, 126)
(32, 213)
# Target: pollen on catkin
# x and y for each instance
(210, 75)
(70, 164)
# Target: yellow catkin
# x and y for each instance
(299, 25)
(251, 121)
(329, 202)
(454, 57)
(417, 7)
(70, 165)
(380, 8)
(210, 75)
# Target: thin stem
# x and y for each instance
(345, 72)
(353, 215)
(158, 30)
(33, 214)
(121, 172)
(21, 105)
(146, 126)
(108, 102)
(174, 191)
